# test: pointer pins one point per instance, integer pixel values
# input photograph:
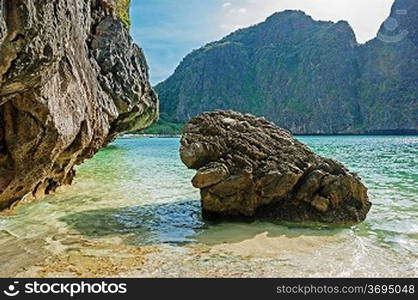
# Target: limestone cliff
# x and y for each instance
(71, 80)
(308, 76)
(389, 73)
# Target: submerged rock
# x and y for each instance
(71, 80)
(247, 166)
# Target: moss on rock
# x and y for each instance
(122, 11)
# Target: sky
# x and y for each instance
(168, 30)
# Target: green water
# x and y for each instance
(138, 191)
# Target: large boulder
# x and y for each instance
(71, 80)
(247, 166)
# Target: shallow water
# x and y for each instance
(136, 194)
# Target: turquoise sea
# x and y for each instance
(137, 194)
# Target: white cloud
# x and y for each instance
(364, 16)
(236, 11)
(168, 33)
(230, 27)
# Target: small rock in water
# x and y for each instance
(247, 166)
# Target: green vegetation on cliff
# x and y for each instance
(122, 11)
(164, 128)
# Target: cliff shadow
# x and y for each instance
(180, 222)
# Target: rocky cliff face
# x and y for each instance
(389, 73)
(248, 167)
(71, 79)
(305, 75)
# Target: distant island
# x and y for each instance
(162, 127)
(310, 77)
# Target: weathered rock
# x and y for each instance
(246, 166)
(71, 79)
